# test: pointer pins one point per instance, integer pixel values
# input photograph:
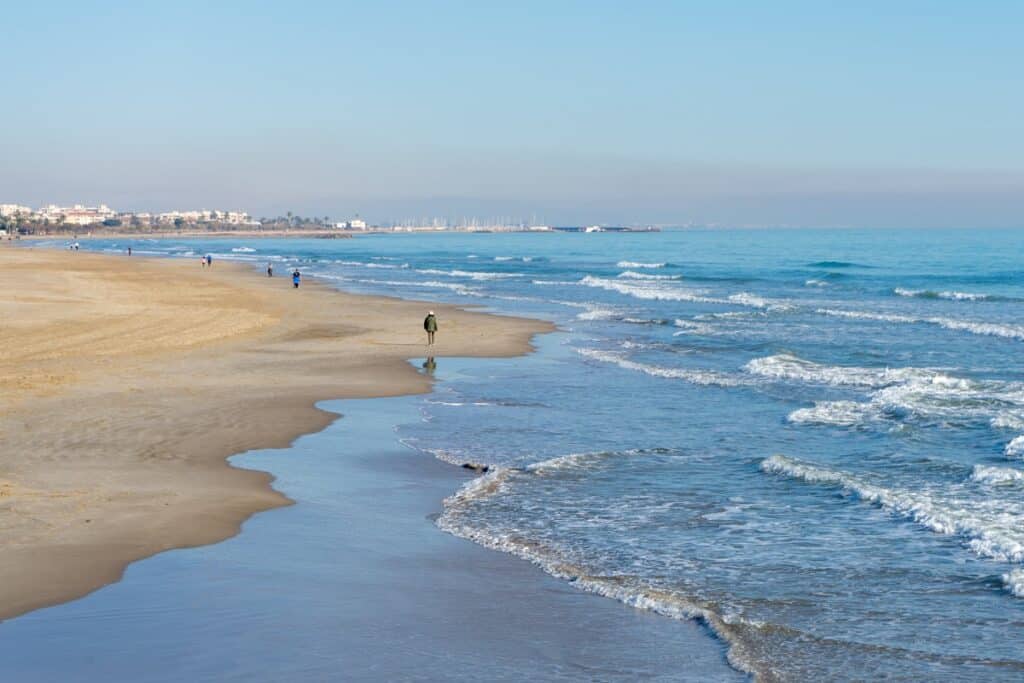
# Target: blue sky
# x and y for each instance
(739, 113)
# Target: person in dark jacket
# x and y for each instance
(296, 278)
(430, 325)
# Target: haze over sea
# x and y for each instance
(810, 440)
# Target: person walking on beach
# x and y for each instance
(129, 251)
(270, 270)
(430, 325)
(209, 261)
(296, 278)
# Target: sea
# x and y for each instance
(810, 441)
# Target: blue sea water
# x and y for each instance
(810, 440)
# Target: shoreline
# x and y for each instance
(355, 582)
(156, 373)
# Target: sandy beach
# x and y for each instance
(125, 383)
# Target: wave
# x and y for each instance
(633, 275)
(701, 377)
(243, 250)
(523, 259)
(815, 283)
(457, 519)
(649, 290)
(473, 275)
(836, 264)
(984, 474)
(429, 284)
(902, 393)
(1015, 448)
(789, 367)
(837, 413)
(692, 327)
(754, 301)
(635, 264)
(1008, 420)
(952, 295)
(1014, 582)
(597, 313)
(992, 528)
(974, 327)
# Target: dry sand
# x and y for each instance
(126, 382)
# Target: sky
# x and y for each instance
(867, 114)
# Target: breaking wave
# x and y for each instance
(1014, 582)
(649, 290)
(788, 367)
(635, 264)
(702, 377)
(992, 529)
(633, 275)
(1015, 448)
(952, 295)
(981, 328)
(985, 474)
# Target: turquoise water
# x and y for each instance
(810, 440)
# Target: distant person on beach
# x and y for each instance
(296, 278)
(129, 251)
(270, 270)
(202, 261)
(209, 260)
(430, 325)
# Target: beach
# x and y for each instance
(125, 383)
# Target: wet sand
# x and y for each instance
(354, 582)
(125, 383)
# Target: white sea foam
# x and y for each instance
(974, 327)
(595, 312)
(1008, 420)
(929, 294)
(754, 301)
(634, 264)
(453, 521)
(905, 392)
(992, 528)
(702, 377)
(692, 327)
(473, 275)
(864, 315)
(648, 290)
(788, 367)
(633, 275)
(1014, 582)
(243, 250)
(429, 284)
(1016, 447)
(815, 283)
(996, 475)
(554, 283)
(838, 413)
(386, 266)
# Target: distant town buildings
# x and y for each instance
(80, 215)
(8, 210)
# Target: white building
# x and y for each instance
(14, 210)
(75, 215)
(354, 224)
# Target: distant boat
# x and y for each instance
(593, 228)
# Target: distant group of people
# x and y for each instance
(206, 261)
